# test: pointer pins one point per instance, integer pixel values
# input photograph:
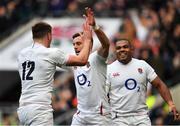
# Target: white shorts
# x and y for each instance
(33, 115)
(80, 119)
(140, 120)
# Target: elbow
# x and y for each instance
(82, 63)
(107, 45)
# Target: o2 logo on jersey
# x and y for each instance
(82, 80)
(131, 84)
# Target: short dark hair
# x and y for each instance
(122, 39)
(78, 34)
(40, 29)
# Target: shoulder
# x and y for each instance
(55, 51)
(96, 56)
(23, 52)
(93, 54)
(138, 61)
(112, 65)
(143, 64)
(58, 55)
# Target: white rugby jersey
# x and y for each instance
(37, 65)
(128, 85)
(90, 81)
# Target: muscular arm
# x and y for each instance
(104, 49)
(163, 90)
(166, 95)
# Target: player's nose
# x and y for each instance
(122, 50)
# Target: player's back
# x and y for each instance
(36, 70)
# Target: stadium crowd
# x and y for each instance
(152, 25)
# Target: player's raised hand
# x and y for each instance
(90, 16)
(87, 31)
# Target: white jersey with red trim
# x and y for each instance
(90, 85)
(37, 65)
(128, 85)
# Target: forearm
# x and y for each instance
(165, 93)
(104, 49)
(84, 54)
(102, 37)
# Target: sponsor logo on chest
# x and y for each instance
(116, 74)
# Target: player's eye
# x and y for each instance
(126, 46)
(118, 47)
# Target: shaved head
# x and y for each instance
(122, 40)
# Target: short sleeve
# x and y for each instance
(59, 57)
(151, 74)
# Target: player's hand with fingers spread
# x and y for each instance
(87, 32)
(90, 16)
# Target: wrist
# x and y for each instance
(96, 27)
(88, 40)
(170, 103)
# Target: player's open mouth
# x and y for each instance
(77, 52)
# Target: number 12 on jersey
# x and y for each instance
(28, 66)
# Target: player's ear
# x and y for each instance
(132, 48)
(49, 36)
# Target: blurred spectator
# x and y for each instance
(146, 54)
(176, 61)
(140, 23)
(62, 92)
(6, 119)
(3, 18)
(119, 7)
(40, 7)
(56, 7)
(177, 5)
(9, 119)
(102, 7)
(153, 41)
(63, 97)
(12, 13)
(73, 9)
(176, 38)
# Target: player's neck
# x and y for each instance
(126, 61)
(42, 42)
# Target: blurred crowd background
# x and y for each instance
(153, 26)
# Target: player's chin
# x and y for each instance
(123, 57)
